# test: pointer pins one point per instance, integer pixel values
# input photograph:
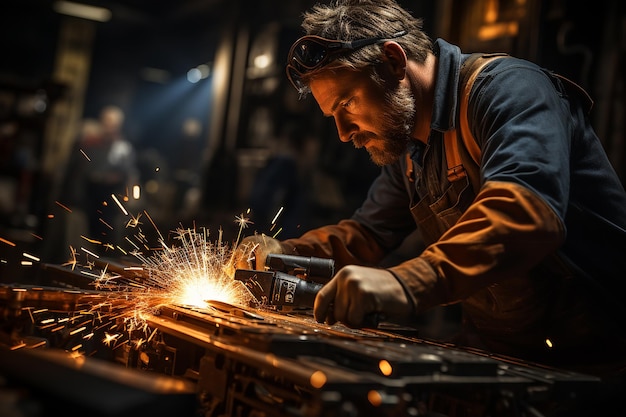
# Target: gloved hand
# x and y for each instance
(357, 292)
(252, 251)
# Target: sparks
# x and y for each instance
(89, 252)
(85, 155)
(195, 271)
(110, 338)
(73, 261)
(31, 257)
(188, 269)
(243, 223)
(114, 197)
(8, 242)
(277, 214)
(64, 207)
(134, 221)
(189, 272)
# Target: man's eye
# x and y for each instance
(347, 103)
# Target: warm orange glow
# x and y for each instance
(498, 30)
(8, 242)
(491, 11)
(318, 379)
(271, 358)
(375, 398)
(385, 367)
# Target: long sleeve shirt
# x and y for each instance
(537, 252)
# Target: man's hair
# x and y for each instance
(350, 20)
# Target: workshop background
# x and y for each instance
(215, 142)
(209, 112)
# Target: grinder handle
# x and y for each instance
(294, 292)
(316, 269)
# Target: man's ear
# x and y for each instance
(395, 58)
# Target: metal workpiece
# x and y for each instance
(250, 360)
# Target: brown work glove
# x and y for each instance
(357, 292)
(252, 251)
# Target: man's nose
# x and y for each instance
(345, 129)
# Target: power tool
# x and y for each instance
(289, 281)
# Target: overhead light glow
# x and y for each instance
(198, 73)
(194, 75)
(84, 11)
(262, 61)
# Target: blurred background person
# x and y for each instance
(102, 164)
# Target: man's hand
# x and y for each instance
(252, 251)
(356, 292)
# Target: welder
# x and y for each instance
(530, 239)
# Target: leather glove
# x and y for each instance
(252, 251)
(356, 293)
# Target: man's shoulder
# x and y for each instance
(494, 60)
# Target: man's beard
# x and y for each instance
(398, 120)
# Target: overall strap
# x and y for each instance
(469, 71)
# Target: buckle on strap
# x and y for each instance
(456, 173)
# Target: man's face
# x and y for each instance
(366, 114)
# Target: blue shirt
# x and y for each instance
(531, 134)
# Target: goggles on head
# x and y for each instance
(312, 52)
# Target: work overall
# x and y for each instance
(550, 303)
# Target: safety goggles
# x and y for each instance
(312, 52)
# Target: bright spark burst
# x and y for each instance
(191, 270)
(194, 271)
(243, 223)
(133, 221)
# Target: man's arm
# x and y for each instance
(505, 233)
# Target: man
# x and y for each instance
(535, 254)
(102, 163)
